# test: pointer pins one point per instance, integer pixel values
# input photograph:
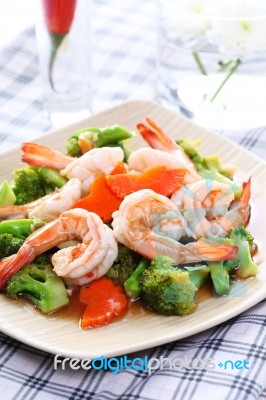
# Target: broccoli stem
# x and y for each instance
(247, 267)
(52, 177)
(132, 286)
(198, 276)
(220, 278)
(20, 228)
(7, 196)
(244, 241)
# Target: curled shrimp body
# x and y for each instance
(80, 264)
(159, 140)
(151, 224)
(210, 209)
(48, 207)
(91, 164)
(85, 168)
(146, 157)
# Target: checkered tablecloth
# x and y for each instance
(124, 64)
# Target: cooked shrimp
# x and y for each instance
(85, 168)
(103, 266)
(151, 224)
(83, 263)
(48, 207)
(210, 209)
(159, 140)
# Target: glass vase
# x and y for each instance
(212, 66)
(64, 46)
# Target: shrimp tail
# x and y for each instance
(215, 252)
(23, 210)
(156, 137)
(13, 212)
(10, 265)
(43, 156)
(244, 201)
(242, 204)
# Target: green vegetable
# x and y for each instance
(244, 241)
(44, 258)
(20, 228)
(27, 185)
(97, 137)
(198, 274)
(209, 167)
(73, 149)
(40, 285)
(7, 196)
(132, 285)
(125, 263)
(220, 278)
(166, 289)
(125, 149)
(9, 244)
(52, 177)
(31, 183)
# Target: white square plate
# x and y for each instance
(140, 331)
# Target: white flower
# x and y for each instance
(242, 27)
(239, 37)
(186, 18)
(237, 8)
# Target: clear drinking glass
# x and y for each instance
(212, 60)
(64, 46)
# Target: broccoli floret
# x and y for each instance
(51, 177)
(132, 285)
(27, 185)
(125, 263)
(166, 289)
(7, 196)
(40, 285)
(9, 244)
(209, 167)
(31, 183)
(43, 259)
(97, 137)
(244, 241)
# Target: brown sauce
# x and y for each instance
(75, 309)
(205, 291)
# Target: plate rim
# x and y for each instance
(244, 305)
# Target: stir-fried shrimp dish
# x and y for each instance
(154, 225)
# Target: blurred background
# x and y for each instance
(15, 16)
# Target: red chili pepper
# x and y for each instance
(58, 16)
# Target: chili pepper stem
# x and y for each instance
(56, 40)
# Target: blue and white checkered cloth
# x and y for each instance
(124, 63)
